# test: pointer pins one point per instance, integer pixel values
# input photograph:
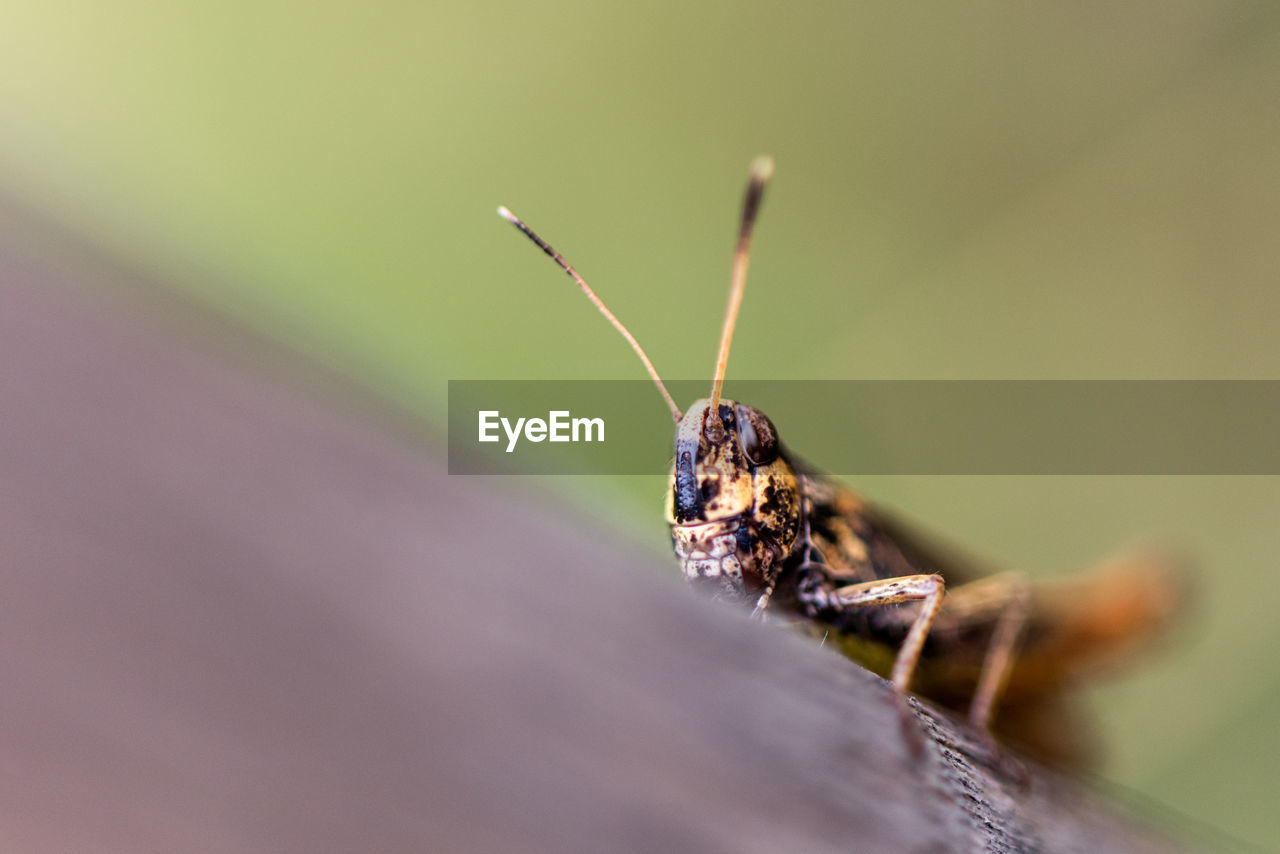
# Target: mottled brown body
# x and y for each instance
(750, 522)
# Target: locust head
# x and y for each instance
(735, 504)
(734, 501)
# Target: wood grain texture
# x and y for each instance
(238, 616)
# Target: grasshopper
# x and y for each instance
(752, 522)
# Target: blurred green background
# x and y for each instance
(979, 190)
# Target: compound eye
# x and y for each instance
(756, 435)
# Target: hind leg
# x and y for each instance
(1003, 598)
(1006, 599)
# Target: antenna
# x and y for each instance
(761, 172)
(591, 295)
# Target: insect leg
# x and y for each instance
(762, 603)
(1007, 598)
(886, 591)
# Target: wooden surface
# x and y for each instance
(239, 617)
